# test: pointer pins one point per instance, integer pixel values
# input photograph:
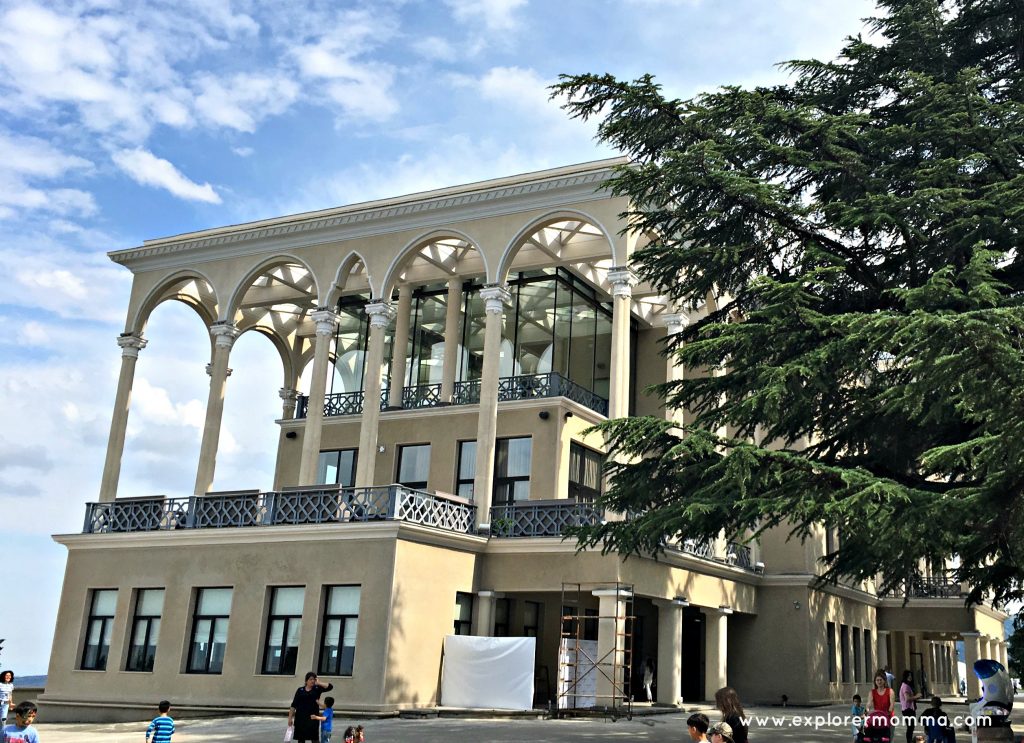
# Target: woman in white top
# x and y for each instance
(6, 694)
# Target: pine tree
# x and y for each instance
(862, 222)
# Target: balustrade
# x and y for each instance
(541, 518)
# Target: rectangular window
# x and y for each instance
(149, 606)
(102, 607)
(463, 613)
(830, 631)
(531, 618)
(584, 473)
(337, 467)
(338, 643)
(502, 611)
(512, 459)
(414, 465)
(844, 651)
(467, 470)
(868, 669)
(857, 657)
(284, 623)
(209, 630)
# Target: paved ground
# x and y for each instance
(662, 728)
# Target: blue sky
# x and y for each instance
(126, 121)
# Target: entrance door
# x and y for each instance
(917, 664)
(693, 654)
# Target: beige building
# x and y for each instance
(461, 342)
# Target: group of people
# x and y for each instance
(730, 729)
(311, 720)
(878, 719)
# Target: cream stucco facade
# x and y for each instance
(494, 323)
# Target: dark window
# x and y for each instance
(502, 610)
(867, 655)
(338, 643)
(584, 473)
(857, 657)
(463, 613)
(337, 467)
(467, 469)
(209, 631)
(149, 606)
(531, 618)
(830, 630)
(414, 465)
(284, 623)
(102, 607)
(844, 650)
(512, 458)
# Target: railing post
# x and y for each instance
(393, 495)
(270, 507)
(87, 526)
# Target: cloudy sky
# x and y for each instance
(126, 121)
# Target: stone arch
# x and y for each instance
(547, 220)
(415, 248)
(192, 288)
(264, 266)
(345, 270)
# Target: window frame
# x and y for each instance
(287, 619)
(830, 640)
(105, 624)
(149, 640)
(844, 653)
(531, 630)
(416, 484)
(339, 452)
(461, 624)
(321, 661)
(214, 618)
(577, 490)
(500, 484)
(460, 481)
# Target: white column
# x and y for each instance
(398, 348)
(288, 397)
(380, 314)
(224, 334)
(495, 298)
(716, 652)
(622, 281)
(130, 346)
(611, 648)
(881, 652)
(326, 323)
(1003, 658)
(675, 323)
(452, 339)
(670, 651)
(972, 654)
(483, 626)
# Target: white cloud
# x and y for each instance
(24, 163)
(494, 15)
(242, 100)
(361, 88)
(434, 47)
(243, 151)
(146, 168)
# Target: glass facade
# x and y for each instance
(350, 343)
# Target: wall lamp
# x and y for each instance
(543, 415)
(381, 449)
(681, 601)
(759, 567)
(291, 435)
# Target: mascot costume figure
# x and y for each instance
(995, 704)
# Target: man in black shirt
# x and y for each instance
(304, 706)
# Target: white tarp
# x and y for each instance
(488, 672)
(577, 674)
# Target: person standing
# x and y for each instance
(649, 678)
(6, 695)
(728, 703)
(878, 725)
(162, 727)
(908, 703)
(305, 709)
(22, 730)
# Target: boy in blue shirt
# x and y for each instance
(22, 731)
(162, 727)
(326, 720)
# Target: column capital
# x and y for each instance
(131, 344)
(224, 333)
(381, 313)
(675, 322)
(288, 394)
(209, 370)
(495, 297)
(326, 320)
(621, 594)
(622, 280)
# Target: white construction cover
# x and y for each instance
(488, 672)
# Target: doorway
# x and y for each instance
(694, 626)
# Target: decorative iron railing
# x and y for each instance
(549, 384)
(296, 506)
(339, 403)
(466, 393)
(541, 518)
(699, 548)
(739, 555)
(422, 396)
(943, 586)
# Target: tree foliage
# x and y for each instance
(862, 221)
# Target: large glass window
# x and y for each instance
(102, 607)
(337, 467)
(414, 465)
(467, 469)
(471, 362)
(338, 642)
(427, 336)
(209, 630)
(512, 460)
(584, 473)
(350, 341)
(531, 618)
(284, 623)
(502, 613)
(463, 613)
(149, 606)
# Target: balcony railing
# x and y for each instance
(943, 586)
(313, 505)
(537, 518)
(519, 387)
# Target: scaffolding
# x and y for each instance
(595, 653)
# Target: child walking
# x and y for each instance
(21, 731)
(162, 727)
(857, 713)
(326, 719)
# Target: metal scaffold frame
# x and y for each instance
(583, 662)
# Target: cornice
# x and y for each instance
(550, 188)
